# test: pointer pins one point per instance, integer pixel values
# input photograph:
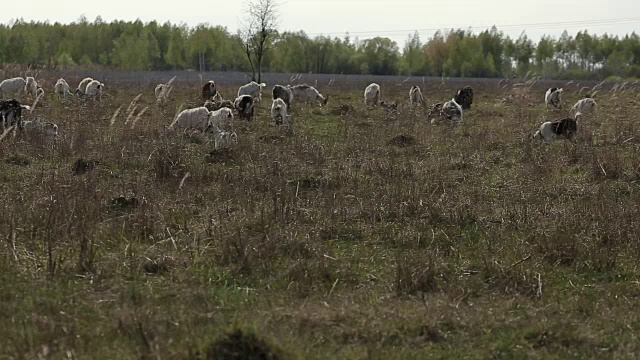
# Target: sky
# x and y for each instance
(395, 19)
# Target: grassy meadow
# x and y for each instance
(362, 236)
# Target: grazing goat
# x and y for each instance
(221, 119)
(565, 128)
(217, 97)
(252, 89)
(213, 105)
(585, 106)
(244, 105)
(13, 86)
(31, 86)
(435, 112)
(81, 90)
(553, 97)
(450, 110)
(306, 94)
(279, 112)
(283, 92)
(209, 90)
(225, 139)
(415, 97)
(62, 88)
(453, 111)
(464, 98)
(11, 113)
(94, 90)
(160, 90)
(389, 108)
(197, 118)
(40, 128)
(372, 94)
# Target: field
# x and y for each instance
(362, 236)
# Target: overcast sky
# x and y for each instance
(362, 18)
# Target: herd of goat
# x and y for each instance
(216, 115)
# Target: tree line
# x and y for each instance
(134, 45)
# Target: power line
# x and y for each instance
(544, 25)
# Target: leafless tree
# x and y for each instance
(258, 30)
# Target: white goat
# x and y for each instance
(451, 110)
(372, 94)
(62, 88)
(252, 89)
(279, 112)
(31, 87)
(196, 118)
(160, 89)
(306, 94)
(553, 97)
(221, 118)
(202, 119)
(94, 90)
(16, 85)
(40, 128)
(415, 96)
(82, 87)
(585, 106)
(225, 139)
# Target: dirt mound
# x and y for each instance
(220, 156)
(18, 160)
(82, 166)
(241, 345)
(402, 140)
(274, 139)
(124, 203)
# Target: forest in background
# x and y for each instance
(127, 45)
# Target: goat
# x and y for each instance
(81, 90)
(13, 86)
(415, 96)
(283, 92)
(213, 105)
(553, 97)
(565, 128)
(223, 116)
(197, 118)
(464, 98)
(40, 128)
(94, 90)
(453, 111)
(62, 88)
(252, 89)
(450, 110)
(31, 86)
(11, 113)
(389, 108)
(244, 105)
(305, 93)
(279, 111)
(225, 139)
(160, 90)
(372, 94)
(585, 106)
(209, 90)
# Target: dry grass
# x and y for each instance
(358, 237)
